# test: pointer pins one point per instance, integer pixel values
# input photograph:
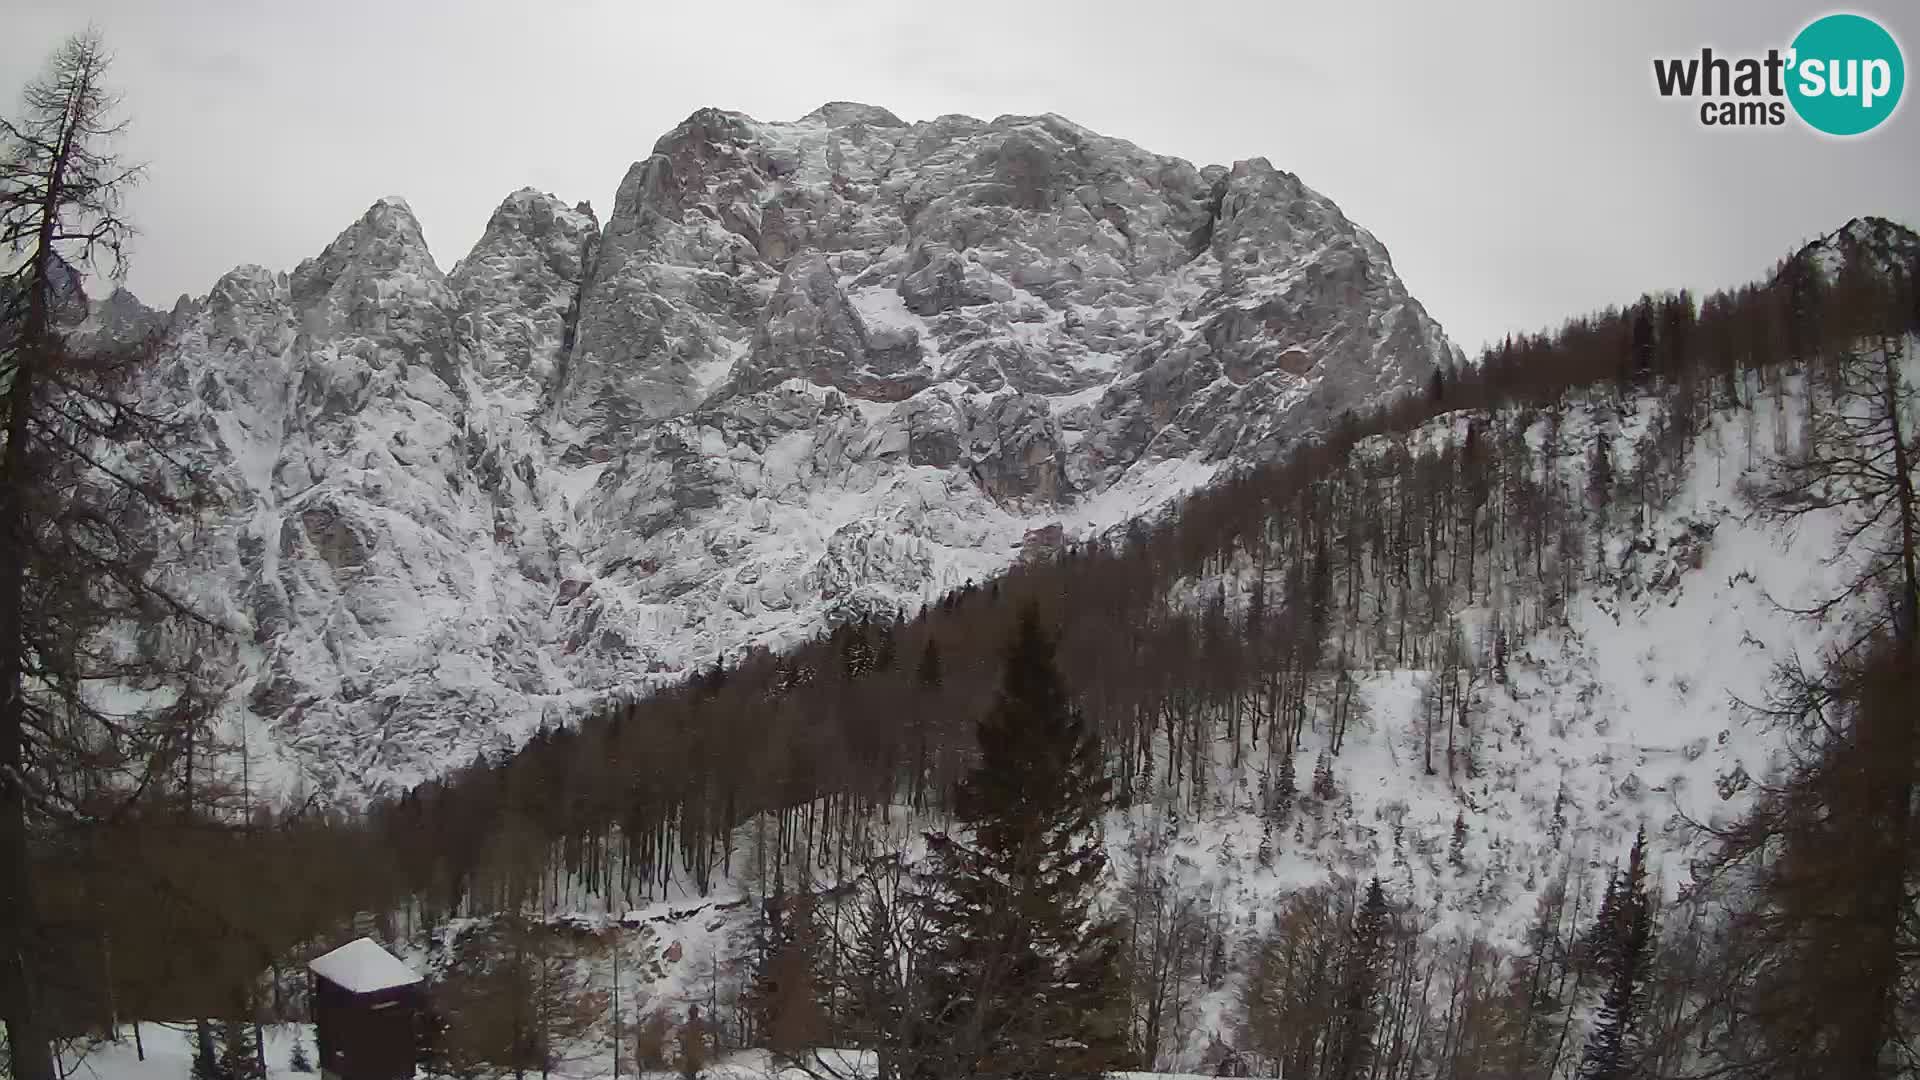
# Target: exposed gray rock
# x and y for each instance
(119, 321)
(518, 292)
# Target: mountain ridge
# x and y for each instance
(803, 371)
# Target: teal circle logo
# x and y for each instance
(1846, 74)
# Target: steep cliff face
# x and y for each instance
(380, 546)
(839, 364)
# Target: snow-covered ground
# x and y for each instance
(169, 1054)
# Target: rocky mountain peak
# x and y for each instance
(841, 114)
(805, 370)
(385, 244)
(518, 290)
(120, 320)
(1887, 247)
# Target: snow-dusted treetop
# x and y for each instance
(363, 967)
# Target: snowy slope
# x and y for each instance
(1635, 712)
(168, 1052)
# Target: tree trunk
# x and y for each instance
(27, 1037)
(1907, 614)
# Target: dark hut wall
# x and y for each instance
(367, 1036)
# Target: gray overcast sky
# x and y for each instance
(1514, 157)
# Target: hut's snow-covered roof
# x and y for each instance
(363, 967)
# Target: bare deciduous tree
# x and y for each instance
(1858, 459)
(1166, 936)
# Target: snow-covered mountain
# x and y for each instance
(806, 369)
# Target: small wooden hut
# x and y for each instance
(366, 1013)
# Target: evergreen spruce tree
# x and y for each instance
(239, 1058)
(1217, 959)
(1323, 788)
(1360, 986)
(1625, 958)
(856, 649)
(1600, 480)
(886, 651)
(1557, 827)
(1022, 981)
(298, 1061)
(1457, 847)
(1641, 371)
(1600, 939)
(768, 933)
(928, 675)
(786, 676)
(1285, 791)
(206, 1058)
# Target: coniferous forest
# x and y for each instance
(912, 813)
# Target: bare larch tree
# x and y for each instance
(86, 476)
